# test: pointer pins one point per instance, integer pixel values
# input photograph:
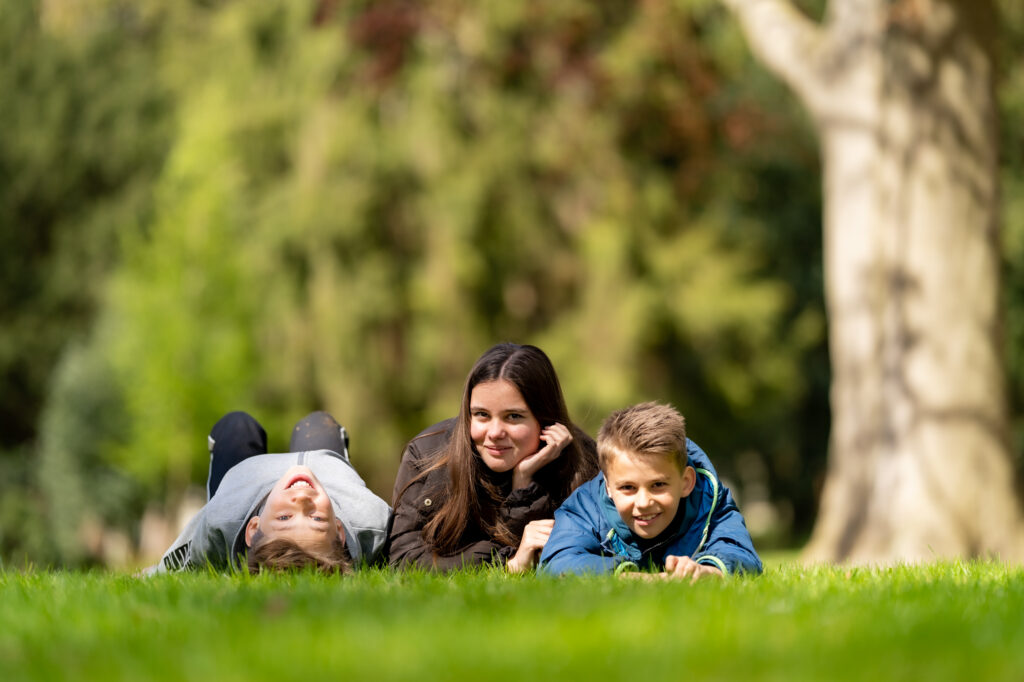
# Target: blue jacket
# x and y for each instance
(590, 537)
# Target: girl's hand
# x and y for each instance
(681, 567)
(555, 438)
(535, 536)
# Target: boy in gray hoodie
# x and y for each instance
(304, 507)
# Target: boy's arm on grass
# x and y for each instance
(367, 517)
(188, 549)
(729, 547)
(575, 547)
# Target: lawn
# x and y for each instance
(945, 621)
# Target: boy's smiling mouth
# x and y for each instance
(299, 482)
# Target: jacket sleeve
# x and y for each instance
(729, 546)
(524, 505)
(195, 547)
(371, 532)
(575, 545)
(407, 546)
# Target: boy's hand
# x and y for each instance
(555, 438)
(677, 567)
(535, 536)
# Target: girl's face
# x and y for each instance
(503, 429)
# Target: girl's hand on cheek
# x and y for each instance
(554, 438)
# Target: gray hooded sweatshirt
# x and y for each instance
(216, 534)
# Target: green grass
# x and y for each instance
(948, 621)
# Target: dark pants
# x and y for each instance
(238, 436)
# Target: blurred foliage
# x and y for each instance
(78, 158)
(286, 206)
(76, 161)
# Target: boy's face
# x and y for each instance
(298, 509)
(646, 490)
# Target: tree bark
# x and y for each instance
(902, 95)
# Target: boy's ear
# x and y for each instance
(341, 530)
(250, 530)
(689, 480)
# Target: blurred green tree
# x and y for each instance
(76, 159)
(360, 198)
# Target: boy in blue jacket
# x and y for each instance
(656, 504)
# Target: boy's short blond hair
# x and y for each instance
(644, 429)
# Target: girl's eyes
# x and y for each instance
(320, 518)
(511, 416)
(284, 517)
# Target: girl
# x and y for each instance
(484, 486)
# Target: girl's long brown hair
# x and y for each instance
(474, 491)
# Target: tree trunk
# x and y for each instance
(902, 95)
